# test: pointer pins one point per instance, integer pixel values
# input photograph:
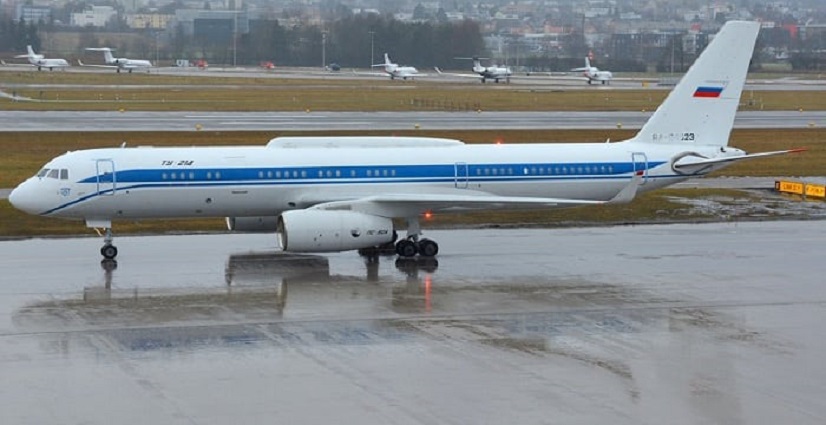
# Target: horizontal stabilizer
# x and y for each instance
(693, 164)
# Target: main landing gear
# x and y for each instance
(412, 245)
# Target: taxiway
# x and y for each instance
(679, 324)
(431, 120)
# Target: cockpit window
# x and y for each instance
(64, 174)
(53, 173)
(42, 172)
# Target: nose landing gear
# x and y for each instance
(108, 250)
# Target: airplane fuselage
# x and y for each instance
(262, 181)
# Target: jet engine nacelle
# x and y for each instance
(332, 231)
(252, 224)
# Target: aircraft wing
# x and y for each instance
(452, 74)
(406, 205)
(372, 74)
(79, 62)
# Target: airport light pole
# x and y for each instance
(323, 49)
(372, 33)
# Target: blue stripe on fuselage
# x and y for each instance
(396, 174)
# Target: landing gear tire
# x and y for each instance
(109, 252)
(406, 248)
(428, 248)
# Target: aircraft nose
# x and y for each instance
(23, 199)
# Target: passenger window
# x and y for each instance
(53, 174)
(64, 174)
(43, 172)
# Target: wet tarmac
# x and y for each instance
(679, 324)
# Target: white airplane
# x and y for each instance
(325, 194)
(484, 73)
(119, 64)
(593, 74)
(396, 71)
(41, 62)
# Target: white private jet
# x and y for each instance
(325, 194)
(41, 62)
(484, 73)
(593, 74)
(119, 64)
(396, 71)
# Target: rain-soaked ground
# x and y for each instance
(677, 324)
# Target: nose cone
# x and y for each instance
(23, 199)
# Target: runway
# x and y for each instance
(300, 121)
(678, 324)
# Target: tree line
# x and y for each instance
(16, 35)
(347, 41)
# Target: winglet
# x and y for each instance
(629, 192)
(79, 62)
(439, 71)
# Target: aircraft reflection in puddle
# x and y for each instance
(254, 287)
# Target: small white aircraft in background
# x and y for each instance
(484, 73)
(396, 71)
(120, 64)
(593, 74)
(326, 194)
(41, 62)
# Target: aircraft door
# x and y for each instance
(460, 175)
(106, 180)
(640, 163)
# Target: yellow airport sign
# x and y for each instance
(816, 190)
(803, 189)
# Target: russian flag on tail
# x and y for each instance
(706, 91)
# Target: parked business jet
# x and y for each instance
(593, 74)
(119, 64)
(41, 62)
(396, 71)
(484, 73)
(324, 194)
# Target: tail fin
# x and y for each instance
(587, 63)
(107, 55)
(30, 50)
(701, 108)
(387, 59)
